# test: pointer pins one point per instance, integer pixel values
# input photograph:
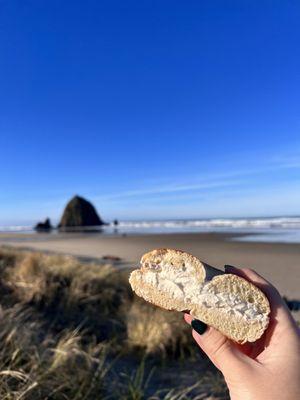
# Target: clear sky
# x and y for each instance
(150, 109)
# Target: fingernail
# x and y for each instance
(199, 326)
(230, 268)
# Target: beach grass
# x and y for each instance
(74, 330)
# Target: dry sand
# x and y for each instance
(279, 263)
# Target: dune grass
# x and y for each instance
(73, 330)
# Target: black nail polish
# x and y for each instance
(199, 326)
(229, 267)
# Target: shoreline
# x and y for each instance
(289, 236)
(277, 262)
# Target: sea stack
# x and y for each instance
(79, 213)
(44, 226)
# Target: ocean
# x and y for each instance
(264, 229)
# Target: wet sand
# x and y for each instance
(278, 262)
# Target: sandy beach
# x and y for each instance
(278, 262)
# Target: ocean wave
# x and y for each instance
(263, 223)
(15, 228)
(185, 225)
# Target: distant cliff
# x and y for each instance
(79, 212)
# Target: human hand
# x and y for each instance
(268, 369)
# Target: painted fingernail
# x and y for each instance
(199, 326)
(230, 268)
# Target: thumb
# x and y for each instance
(221, 351)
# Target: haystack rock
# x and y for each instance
(43, 226)
(80, 213)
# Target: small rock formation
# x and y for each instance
(79, 213)
(116, 222)
(111, 258)
(43, 226)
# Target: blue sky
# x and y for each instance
(150, 109)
